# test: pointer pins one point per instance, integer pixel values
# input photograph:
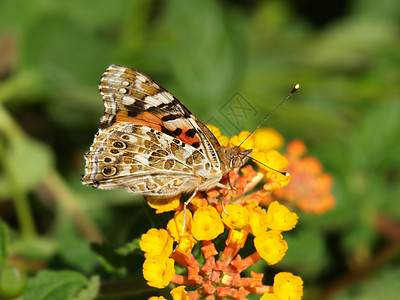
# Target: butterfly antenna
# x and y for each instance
(296, 87)
(275, 170)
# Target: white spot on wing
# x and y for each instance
(162, 97)
(141, 78)
(142, 158)
(153, 100)
(168, 95)
(128, 100)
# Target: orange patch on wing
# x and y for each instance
(193, 141)
(149, 89)
(154, 121)
(146, 119)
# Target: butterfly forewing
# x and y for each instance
(148, 142)
(131, 96)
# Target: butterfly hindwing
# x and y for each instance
(143, 160)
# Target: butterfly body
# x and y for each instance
(149, 143)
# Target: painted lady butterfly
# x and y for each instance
(149, 143)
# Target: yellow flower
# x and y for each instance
(273, 159)
(288, 286)
(157, 298)
(269, 296)
(257, 219)
(179, 293)
(163, 204)
(174, 225)
(237, 217)
(206, 224)
(186, 244)
(237, 237)
(267, 139)
(270, 246)
(158, 270)
(156, 242)
(279, 217)
(222, 139)
(215, 130)
(236, 140)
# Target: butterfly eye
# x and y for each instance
(109, 171)
(236, 162)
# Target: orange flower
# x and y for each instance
(310, 187)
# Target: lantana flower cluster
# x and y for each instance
(210, 274)
(219, 274)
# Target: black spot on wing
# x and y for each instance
(177, 131)
(170, 118)
(190, 132)
(165, 130)
(196, 145)
(133, 113)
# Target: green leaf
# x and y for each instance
(91, 291)
(302, 243)
(30, 160)
(112, 262)
(380, 285)
(55, 285)
(129, 248)
(82, 258)
(4, 235)
(39, 249)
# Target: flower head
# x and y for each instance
(310, 187)
(156, 242)
(207, 223)
(219, 214)
(271, 246)
(158, 270)
(279, 217)
(237, 216)
(288, 286)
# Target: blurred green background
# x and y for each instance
(344, 54)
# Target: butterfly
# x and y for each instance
(149, 143)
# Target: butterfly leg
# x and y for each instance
(222, 186)
(185, 204)
(230, 184)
